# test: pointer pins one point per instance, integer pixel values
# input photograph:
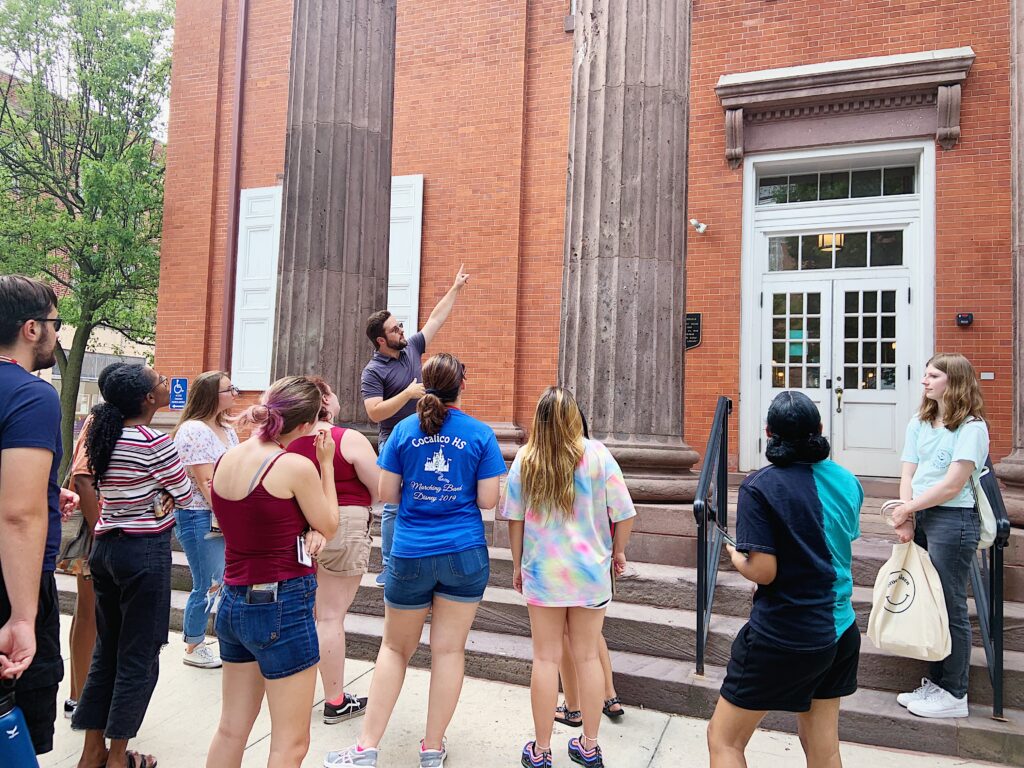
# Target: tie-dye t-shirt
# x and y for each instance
(567, 562)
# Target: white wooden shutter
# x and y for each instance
(404, 252)
(259, 240)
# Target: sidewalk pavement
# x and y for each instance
(491, 725)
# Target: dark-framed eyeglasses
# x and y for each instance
(232, 389)
(57, 321)
(160, 381)
(396, 327)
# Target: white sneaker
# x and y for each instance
(434, 758)
(202, 656)
(922, 692)
(939, 703)
(351, 756)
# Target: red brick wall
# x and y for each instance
(481, 109)
(973, 179)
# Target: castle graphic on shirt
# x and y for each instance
(437, 463)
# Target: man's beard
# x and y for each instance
(43, 353)
(398, 346)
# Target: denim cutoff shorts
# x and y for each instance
(412, 582)
(279, 636)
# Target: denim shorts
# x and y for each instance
(279, 636)
(412, 582)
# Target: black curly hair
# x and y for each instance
(124, 388)
(795, 424)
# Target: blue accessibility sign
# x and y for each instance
(179, 393)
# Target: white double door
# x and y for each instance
(843, 342)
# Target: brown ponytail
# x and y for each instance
(442, 377)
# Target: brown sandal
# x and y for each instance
(132, 756)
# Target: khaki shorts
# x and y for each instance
(348, 553)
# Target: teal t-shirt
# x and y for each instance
(934, 449)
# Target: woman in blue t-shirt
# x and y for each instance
(946, 441)
(441, 467)
(795, 525)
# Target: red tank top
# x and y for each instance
(259, 535)
(351, 492)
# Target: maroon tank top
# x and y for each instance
(259, 535)
(351, 492)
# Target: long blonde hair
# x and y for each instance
(203, 400)
(962, 399)
(552, 453)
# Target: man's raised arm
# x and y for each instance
(444, 307)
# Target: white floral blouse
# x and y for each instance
(198, 444)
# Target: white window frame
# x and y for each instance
(915, 212)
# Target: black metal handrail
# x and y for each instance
(711, 511)
(987, 583)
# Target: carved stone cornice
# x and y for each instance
(828, 89)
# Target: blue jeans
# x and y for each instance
(206, 561)
(279, 636)
(950, 534)
(412, 582)
(387, 532)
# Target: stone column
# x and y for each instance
(1011, 469)
(623, 286)
(333, 269)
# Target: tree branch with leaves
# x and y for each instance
(81, 174)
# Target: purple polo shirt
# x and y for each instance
(385, 377)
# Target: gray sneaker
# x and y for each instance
(351, 756)
(433, 758)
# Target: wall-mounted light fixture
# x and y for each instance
(831, 241)
(700, 226)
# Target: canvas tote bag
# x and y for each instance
(908, 613)
(986, 517)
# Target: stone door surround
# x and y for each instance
(878, 98)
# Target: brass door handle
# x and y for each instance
(839, 399)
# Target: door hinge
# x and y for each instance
(760, 299)
(759, 367)
(759, 446)
(908, 373)
(908, 294)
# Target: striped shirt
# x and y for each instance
(144, 463)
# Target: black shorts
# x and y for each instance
(36, 690)
(762, 676)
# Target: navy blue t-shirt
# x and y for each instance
(438, 513)
(808, 516)
(30, 418)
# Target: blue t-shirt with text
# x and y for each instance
(808, 516)
(438, 513)
(30, 418)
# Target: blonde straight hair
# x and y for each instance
(552, 454)
(962, 399)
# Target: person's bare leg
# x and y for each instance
(83, 635)
(584, 636)
(729, 731)
(94, 750)
(609, 682)
(334, 596)
(450, 622)
(402, 629)
(819, 734)
(547, 627)
(242, 688)
(567, 674)
(291, 704)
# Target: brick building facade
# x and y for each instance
(482, 110)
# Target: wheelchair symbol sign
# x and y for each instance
(179, 393)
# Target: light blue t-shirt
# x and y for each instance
(934, 449)
(438, 513)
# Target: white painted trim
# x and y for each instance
(922, 278)
(405, 249)
(845, 65)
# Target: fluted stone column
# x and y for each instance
(337, 191)
(1011, 469)
(623, 289)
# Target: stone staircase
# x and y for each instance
(650, 629)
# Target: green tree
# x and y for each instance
(81, 176)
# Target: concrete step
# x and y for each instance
(668, 633)
(662, 586)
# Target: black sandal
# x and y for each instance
(132, 756)
(613, 714)
(569, 717)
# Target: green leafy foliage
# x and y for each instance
(81, 174)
